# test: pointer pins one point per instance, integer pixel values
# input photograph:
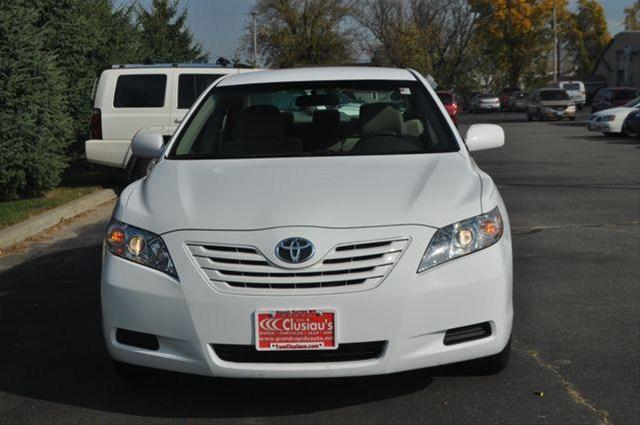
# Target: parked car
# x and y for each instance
(367, 250)
(128, 98)
(631, 126)
(550, 103)
(506, 94)
(576, 91)
(450, 102)
(517, 102)
(485, 103)
(613, 96)
(611, 121)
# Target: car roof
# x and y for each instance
(338, 73)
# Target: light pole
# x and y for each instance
(255, 39)
(555, 47)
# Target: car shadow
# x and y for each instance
(52, 349)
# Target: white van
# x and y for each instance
(130, 98)
(576, 90)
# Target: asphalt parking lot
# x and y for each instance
(574, 203)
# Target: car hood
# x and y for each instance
(613, 111)
(428, 189)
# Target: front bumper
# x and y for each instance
(410, 311)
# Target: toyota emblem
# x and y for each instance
(295, 250)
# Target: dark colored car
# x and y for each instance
(450, 102)
(631, 126)
(611, 97)
(506, 94)
(517, 102)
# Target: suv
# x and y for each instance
(128, 98)
(265, 244)
(576, 91)
(613, 96)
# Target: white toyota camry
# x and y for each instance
(278, 236)
(612, 121)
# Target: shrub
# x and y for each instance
(34, 128)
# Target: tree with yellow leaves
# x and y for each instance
(632, 17)
(516, 36)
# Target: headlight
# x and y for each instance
(571, 108)
(462, 238)
(609, 118)
(139, 246)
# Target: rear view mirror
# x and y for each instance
(480, 137)
(147, 145)
(328, 99)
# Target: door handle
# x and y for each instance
(177, 120)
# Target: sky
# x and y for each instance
(219, 24)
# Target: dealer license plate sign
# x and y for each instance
(295, 330)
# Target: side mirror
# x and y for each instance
(147, 145)
(484, 136)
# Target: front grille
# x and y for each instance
(559, 108)
(350, 265)
(344, 353)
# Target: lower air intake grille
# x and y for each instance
(344, 353)
(137, 339)
(467, 333)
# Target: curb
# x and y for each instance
(20, 231)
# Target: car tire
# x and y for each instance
(572, 118)
(492, 364)
(529, 118)
(627, 132)
(132, 373)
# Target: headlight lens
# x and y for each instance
(463, 238)
(609, 118)
(140, 246)
(571, 108)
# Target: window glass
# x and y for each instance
(554, 95)
(315, 119)
(621, 95)
(571, 86)
(140, 91)
(190, 86)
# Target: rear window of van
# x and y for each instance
(140, 91)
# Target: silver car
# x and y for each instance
(485, 103)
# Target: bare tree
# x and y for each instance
(303, 32)
(433, 36)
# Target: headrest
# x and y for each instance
(326, 122)
(380, 118)
(414, 127)
(260, 121)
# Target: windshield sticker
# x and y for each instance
(405, 91)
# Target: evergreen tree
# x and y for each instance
(164, 33)
(34, 126)
(85, 36)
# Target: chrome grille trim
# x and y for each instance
(347, 266)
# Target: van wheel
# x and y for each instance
(492, 364)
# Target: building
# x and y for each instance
(619, 64)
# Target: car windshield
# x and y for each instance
(314, 119)
(571, 86)
(635, 103)
(625, 94)
(446, 98)
(554, 95)
(488, 96)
